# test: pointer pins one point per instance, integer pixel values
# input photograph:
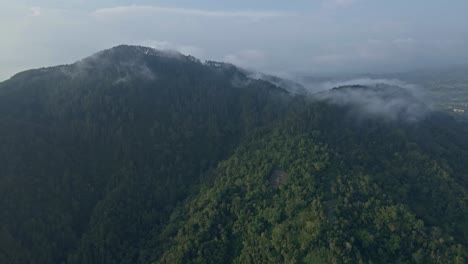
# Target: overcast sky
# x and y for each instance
(297, 36)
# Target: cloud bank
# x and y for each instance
(381, 98)
(120, 10)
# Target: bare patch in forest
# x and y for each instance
(278, 178)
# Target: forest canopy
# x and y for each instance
(134, 155)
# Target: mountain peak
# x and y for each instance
(138, 50)
(122, 53)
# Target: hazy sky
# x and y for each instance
(298, 36)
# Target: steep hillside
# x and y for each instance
(97, 153)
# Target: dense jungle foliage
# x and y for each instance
(139, 156)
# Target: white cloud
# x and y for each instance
(35, 11)
(316, 40)
(249, 58)
(404, 42)
(367, 82)
(160, 45)
(182, 48)
(120, 10)
(191, 50)
(338, 3)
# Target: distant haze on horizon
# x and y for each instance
(277, 37)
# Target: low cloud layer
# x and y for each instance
(381, 98)
(327, 85)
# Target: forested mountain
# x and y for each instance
(135, 155)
